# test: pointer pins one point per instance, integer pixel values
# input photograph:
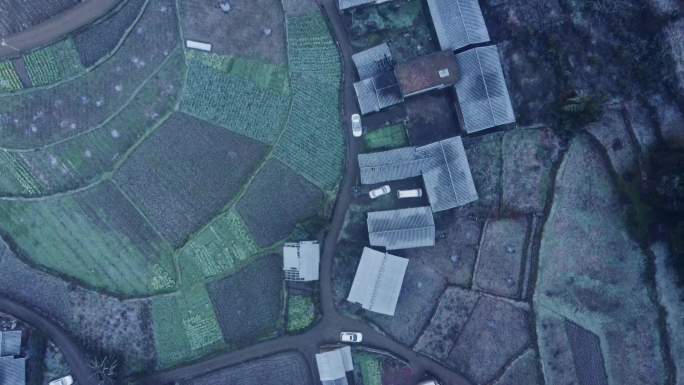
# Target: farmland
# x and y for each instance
(249, 303)
(26, 14)
(259, 101)
(80, 160)
(39, 116)
(178, 177)
(9, 80)
(276, 200)
(98, 40)
(311, 50)
(53, 63)
(94, 236)
(185, 326)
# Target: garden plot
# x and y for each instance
(53, 63)
(80, 160)
(386, 138)
(405, 24)
(101, 38)
(275, 201)
(186, 172)
(94, 236)
(115, 327)
(251, 28)
(287, 368)
(249, 303)
(501, 257)
(529, 156)
(374, 368)
(301, 312)
(9, 79)
(185, 326)
(524, 370)
(40, 116)
(313, 143)
(485, 158)
(496, 333)
(311, 50)
(220, 248)
(591, 272)
(25, 14)
(247, 97)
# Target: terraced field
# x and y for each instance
(53, 63)
(9, 80)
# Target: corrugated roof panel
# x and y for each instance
(481, 91)
(366, 96)
(10, 343)
(12, 371)
(378, 280)
(389, 165)
(458, 23)
(372, 62)
(346, 4)
(402, 229)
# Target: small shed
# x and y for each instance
(426, 73)
(378, 280)
(373, 61)
(10, 343)
(334, 364)
(301, 261)
(378, 92)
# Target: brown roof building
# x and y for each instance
(427, 73)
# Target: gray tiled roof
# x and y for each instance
(10, 343)
(346, 4)
(402, 229)
(458, 23)
(378, 92)
(481, 90)
(370, 62)
(378, 280)
(443, 165)
(448, 180)
(12, 371)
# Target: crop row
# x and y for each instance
(234, 102)
(311, 49)
(220, 248)
(9, 80)
(99, 39)
(80, 160)
(185, 326)
(94, 236)
(40, 116)
(53, 63)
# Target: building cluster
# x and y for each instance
(469, 68)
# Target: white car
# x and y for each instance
(429, 382)
(68, 380)
(380, 191)
(351, 337)
(413, 193)
(357, 129)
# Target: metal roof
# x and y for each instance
(346, 4)
(447, 177)
(402, 229)
(301, 261)
(10, 343)
(443, 165)
(378, 281)
(12, 371)
(481, 90)
(458, 23)
(372, 61)
(378, 92)
(334, 364)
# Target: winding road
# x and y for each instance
(308, 343)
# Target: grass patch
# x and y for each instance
(386, 138)
(301, 313)
(53, 63)
(185, 326)
(370, 367)
(9, 79)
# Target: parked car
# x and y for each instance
(412, 193)
(430, 381)
(357, 129)
(380, 191)
(68, 380)
(351, 337)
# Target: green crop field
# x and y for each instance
(94, 236)
(246, 97)
(386, 138)
(222, 247)
(311, 49)
(301, 313)
(370, 367)
(185, 326)
(9, 80)
(53, 63)
(75, 162)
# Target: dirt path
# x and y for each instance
(52, 29)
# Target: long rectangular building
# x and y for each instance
(378, 280)
(402, 229)
(458, 23)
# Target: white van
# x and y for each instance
(412, 193)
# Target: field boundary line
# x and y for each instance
(103, 59)
(55, 195)
(104, 122)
